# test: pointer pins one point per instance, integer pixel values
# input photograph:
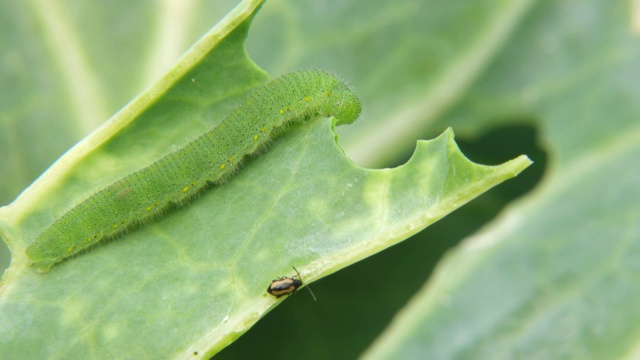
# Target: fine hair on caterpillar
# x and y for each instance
(211, 158)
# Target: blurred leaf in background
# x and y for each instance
(554, 275)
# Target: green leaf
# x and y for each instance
(196, 278)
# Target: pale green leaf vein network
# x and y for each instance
(267, 210)
(447, 89)
(171, 35)
(380, 191)
(101, 324)
(83, 89)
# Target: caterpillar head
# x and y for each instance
(346, 107)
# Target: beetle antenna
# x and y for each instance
(305, 285)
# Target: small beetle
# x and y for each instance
(287, 286)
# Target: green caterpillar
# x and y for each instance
(210, 158)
